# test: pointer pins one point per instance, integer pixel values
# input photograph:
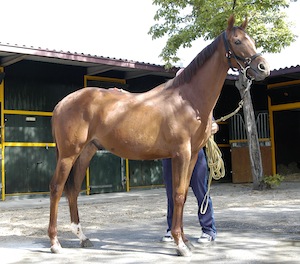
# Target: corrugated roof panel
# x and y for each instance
(12, 53)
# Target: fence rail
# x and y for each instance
(238, 127)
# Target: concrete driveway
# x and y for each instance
(253, 227)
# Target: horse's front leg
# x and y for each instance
(182, 167)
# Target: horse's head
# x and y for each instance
(241, 52)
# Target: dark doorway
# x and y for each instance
(287, 141)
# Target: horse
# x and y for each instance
(172, 120)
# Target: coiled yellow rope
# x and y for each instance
(214, 159)
(216, 168)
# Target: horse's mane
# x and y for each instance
(195, 64)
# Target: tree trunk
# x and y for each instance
(253, 143)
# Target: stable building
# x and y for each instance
(276, 102)
(36, 79)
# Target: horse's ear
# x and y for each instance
(231, 21)
(245, 23)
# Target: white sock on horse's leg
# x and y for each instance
(77, 230)
(56, 247)
(182, 249)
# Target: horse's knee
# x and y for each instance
(176, 233)
(179, 199)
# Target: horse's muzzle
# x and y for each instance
(259, 70)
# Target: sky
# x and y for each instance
(109, 28)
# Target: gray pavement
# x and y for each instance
(253, 227)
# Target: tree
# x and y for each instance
(184, 21)
(243, 84)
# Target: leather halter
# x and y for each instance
(230, 53)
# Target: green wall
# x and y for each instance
(28, 169)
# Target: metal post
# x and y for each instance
(2, 138)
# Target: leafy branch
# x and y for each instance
(184, 21)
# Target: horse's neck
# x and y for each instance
(204, 89)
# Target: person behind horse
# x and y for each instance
(199, 181)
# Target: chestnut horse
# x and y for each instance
(173, 120)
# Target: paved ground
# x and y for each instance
(253, 227)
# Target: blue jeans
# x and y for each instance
(198, 183)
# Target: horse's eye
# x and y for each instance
(237, 42)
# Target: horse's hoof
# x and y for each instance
(183, 251)
(86, 243)
(55, 248)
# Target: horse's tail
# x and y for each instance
(54, 138)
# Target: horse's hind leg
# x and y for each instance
(73, 188)
(56, 186)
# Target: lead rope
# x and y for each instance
(216, 168)
(213, 153)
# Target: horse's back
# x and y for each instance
(131, 125)
(78, 98)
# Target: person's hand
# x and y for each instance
(214, 127)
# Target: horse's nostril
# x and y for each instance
(261, 67)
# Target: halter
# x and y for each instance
(230, 53)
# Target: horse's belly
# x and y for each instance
(136, 153)
(135, 147)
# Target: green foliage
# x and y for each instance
(272, 180)
(183, 21)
